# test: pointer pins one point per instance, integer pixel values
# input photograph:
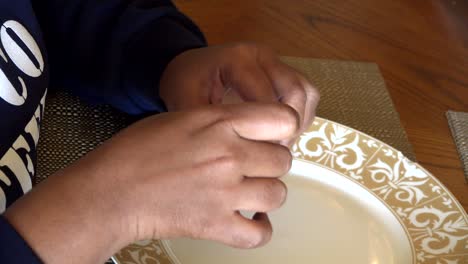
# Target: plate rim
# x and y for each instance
(460, 207)
(417, 257)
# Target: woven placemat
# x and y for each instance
(353, 94)
(458, 123)
(70, 129)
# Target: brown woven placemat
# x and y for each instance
(353, 94)
(458, 123)
(70, 129)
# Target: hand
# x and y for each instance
(184, 174)
(202, 76)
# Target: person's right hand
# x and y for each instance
(182, 174)
(189, 174)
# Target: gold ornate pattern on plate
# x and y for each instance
(436, 224)
(144, 252)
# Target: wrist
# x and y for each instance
(66, 218)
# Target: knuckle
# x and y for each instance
(259, 237)
(209, 119)
(284, 193)
(241, 242)
(230, 158)
(240, 238)
(275, 192)
(223, 123)
(255, 238)
(222, 117)
(224, 126)
(291, 121)
(281, 160)
(285, 160)
(312, 93)
(298, 91)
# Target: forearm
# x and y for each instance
(67, 219)
(120, 48)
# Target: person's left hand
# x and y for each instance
(202, 76)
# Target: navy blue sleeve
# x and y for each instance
(114, 51)
(13, 249)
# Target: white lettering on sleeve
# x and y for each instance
(7, 181)
(13, 32)
(8, 91)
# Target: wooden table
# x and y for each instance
(421, 47)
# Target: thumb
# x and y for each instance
(263, 121)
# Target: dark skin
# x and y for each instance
(180, 174)
(202, 76)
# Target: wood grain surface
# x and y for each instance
(421, 47)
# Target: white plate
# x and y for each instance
(352, 199)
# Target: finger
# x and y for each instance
(270, 122)
(313, 98)
(249, 81)
(295, 90)
(260, 195)
(288, 87)
(247, 233)
(264, 159)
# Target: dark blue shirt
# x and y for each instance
(106, 51)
